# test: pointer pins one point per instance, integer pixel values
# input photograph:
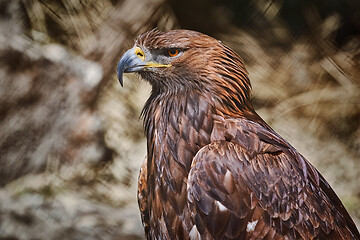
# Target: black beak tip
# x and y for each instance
(120, 72)
(121, 81)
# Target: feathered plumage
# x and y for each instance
(215, 169)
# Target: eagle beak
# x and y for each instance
(133, 60)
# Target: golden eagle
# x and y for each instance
(215, 169)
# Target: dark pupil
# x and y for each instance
(172, 51)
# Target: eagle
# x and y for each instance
(214, 168)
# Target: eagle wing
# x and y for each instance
(267, 191)
(142, 196)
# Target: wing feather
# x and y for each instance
(228, 189)
(142, 196)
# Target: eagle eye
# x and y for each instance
(173, 52)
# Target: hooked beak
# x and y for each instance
(133, 60)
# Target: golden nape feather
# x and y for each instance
(215, 169)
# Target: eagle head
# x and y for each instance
(184, 59)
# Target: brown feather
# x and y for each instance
(142, 196)
(215, 169)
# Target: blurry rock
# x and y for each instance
(47, 95)
(68, 216)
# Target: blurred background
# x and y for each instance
(71, 139)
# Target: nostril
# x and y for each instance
(139, 53)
